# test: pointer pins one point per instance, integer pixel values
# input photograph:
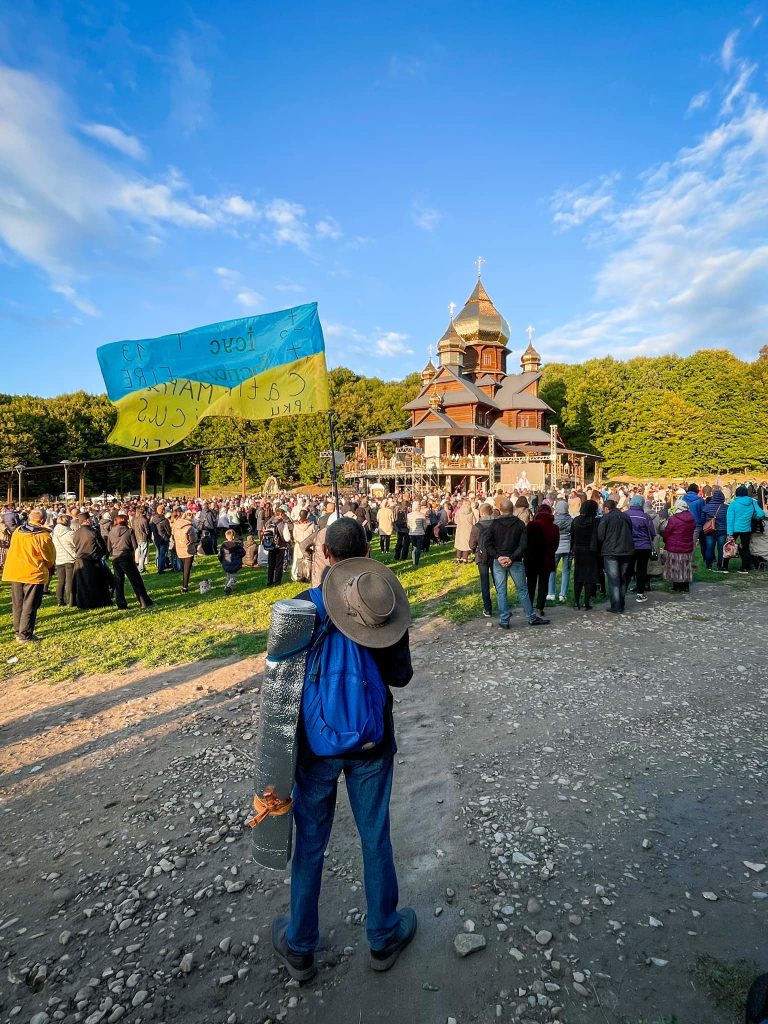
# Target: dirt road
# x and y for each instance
(589, 798)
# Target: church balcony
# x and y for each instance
(397, 466)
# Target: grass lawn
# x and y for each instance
(189, 627)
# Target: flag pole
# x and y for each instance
(334, 479)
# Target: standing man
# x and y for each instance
(141, 531)
(478, 540)
(614, 535)
(506, 546)
(363, 600)
(160, 529)
(31, 556)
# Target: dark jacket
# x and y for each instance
(695, 506)
(478, 540)
(207, 520)
(140, 527)
(507, 538)
(614, 534)
(543, 538)
(716, 509)
(394, 664)
(161, 529)
(120, 542)
(584, 546)
(643, 530)
(89, 544)
(231, 555)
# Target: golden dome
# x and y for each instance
(480, 322)
(451, 341)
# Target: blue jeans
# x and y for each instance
(162, 557)
(616, 583)
(566, 576)
(517, 572)
(369, 784)
(712, 541)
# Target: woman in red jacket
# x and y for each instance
(678, 534)
(539, 558)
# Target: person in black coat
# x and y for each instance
(91, 580)
(161, 536)
(478, 538)
(121, 547)
(584, 548)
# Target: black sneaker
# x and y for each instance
(538, 621)
(300, 966)
(757, 1001)
(383, 959)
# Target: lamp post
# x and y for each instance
(66, 464)
(19, 469)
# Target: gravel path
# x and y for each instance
(579, 812)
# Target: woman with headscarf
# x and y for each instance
(678, 533)
(643, 533)
(465, 520)
(563, 522)
(523, 510)
(185, 546)
(586, 557)
(539, 557)
(715, 529)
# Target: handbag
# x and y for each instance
(730, 548)
(710, 526)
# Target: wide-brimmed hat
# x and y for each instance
(366, 602)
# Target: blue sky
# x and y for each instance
(164, 166)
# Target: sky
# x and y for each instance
(165, 166)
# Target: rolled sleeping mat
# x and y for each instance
(288, 641)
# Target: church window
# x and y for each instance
(487, 359)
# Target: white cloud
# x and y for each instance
(328, 228)
(289, 222)
(64, 206)
(249, 299)
(728, 51)
(129, 145)
(698, 102)
(685, 260)
(571, 207)
(390, 343)
(425, 217)
(191, 54)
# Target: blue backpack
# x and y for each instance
(344, 699)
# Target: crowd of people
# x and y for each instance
(606, 540)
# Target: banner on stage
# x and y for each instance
(255, 368)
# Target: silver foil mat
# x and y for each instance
(290, 633)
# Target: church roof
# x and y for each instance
(520, 435)
(486, 380)
(531, 352)
(470, 393)
(511, 387)
(480, 321)
(451, 335)
(430, 368)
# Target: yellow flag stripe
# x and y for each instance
(161, 416)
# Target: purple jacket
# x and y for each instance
(678, 533)
(643, 530)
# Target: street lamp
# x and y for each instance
(19, 469)
(66, 464)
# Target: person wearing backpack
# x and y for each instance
(274, 543)
(359, 650)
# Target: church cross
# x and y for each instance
(451, 308)
(479, 263)
(530, 331)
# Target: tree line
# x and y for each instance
(664, 416)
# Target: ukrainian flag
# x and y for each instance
(256, 368)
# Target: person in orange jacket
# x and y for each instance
(28, 565)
